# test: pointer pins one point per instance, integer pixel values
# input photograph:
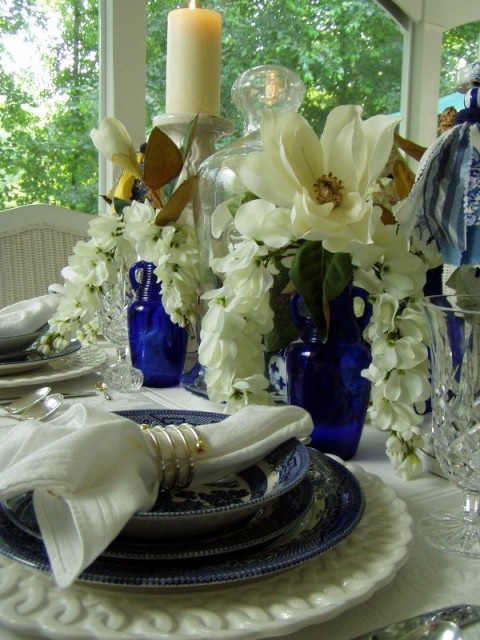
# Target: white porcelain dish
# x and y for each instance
(317, 591)
(84, 361)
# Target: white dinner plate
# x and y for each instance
(319, 590)
(83, 361)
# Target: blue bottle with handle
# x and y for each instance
(158, 346)
(325, 378)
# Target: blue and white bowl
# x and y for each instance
(203, 508)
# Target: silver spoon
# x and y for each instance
(26, 401)
(41, 409)
(436, 630)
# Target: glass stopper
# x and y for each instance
(266, 87)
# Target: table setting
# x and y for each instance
(375, 576)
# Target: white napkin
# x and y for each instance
(90, 471)
(27, 316)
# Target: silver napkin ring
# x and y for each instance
(181, 441)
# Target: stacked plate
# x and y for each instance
(291, 506)
(19, 352)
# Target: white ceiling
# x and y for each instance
(443, 13)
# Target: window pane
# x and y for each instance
(48, 102)
(346, 52)
(460, 46)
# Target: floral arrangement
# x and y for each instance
(145, 222)
(309, 219)
(304, 219)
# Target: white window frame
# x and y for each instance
(122, 38)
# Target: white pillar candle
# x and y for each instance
(193, 61)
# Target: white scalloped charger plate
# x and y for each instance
(77, 364)
(314, 592)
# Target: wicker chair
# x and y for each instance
(35, 243)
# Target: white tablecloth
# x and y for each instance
(429, 579)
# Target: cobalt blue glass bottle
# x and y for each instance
(158, 346)
(324, 378)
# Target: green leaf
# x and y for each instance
(319, 276)
(119, 204)
(284, 330)
(177, 203)
(188, 138)
(337, 274)
(163, 161)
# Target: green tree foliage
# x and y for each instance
(459, 43)
(46, 154)
(346, 51)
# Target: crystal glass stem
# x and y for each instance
(471, 508)
(123, 355)
(454, 329)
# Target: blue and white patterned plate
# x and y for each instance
(32, 359)
(275, 518)
(203, 508)
(336, 509)
(17, 345)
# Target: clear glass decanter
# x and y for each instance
(255, 90)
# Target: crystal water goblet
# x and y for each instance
(454, 329)
(113, 322)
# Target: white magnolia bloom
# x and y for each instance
(114, 142)
(324, 182)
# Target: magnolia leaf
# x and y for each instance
(387, 216)
(189, 138)
(163, 161)
(177, 203)
(403, 178)
(319, 276)
(284, 330)
(337, 274)
(412, 149)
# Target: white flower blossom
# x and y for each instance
(404, 459)
(116, 242)
(323, 182)
(114, 142)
